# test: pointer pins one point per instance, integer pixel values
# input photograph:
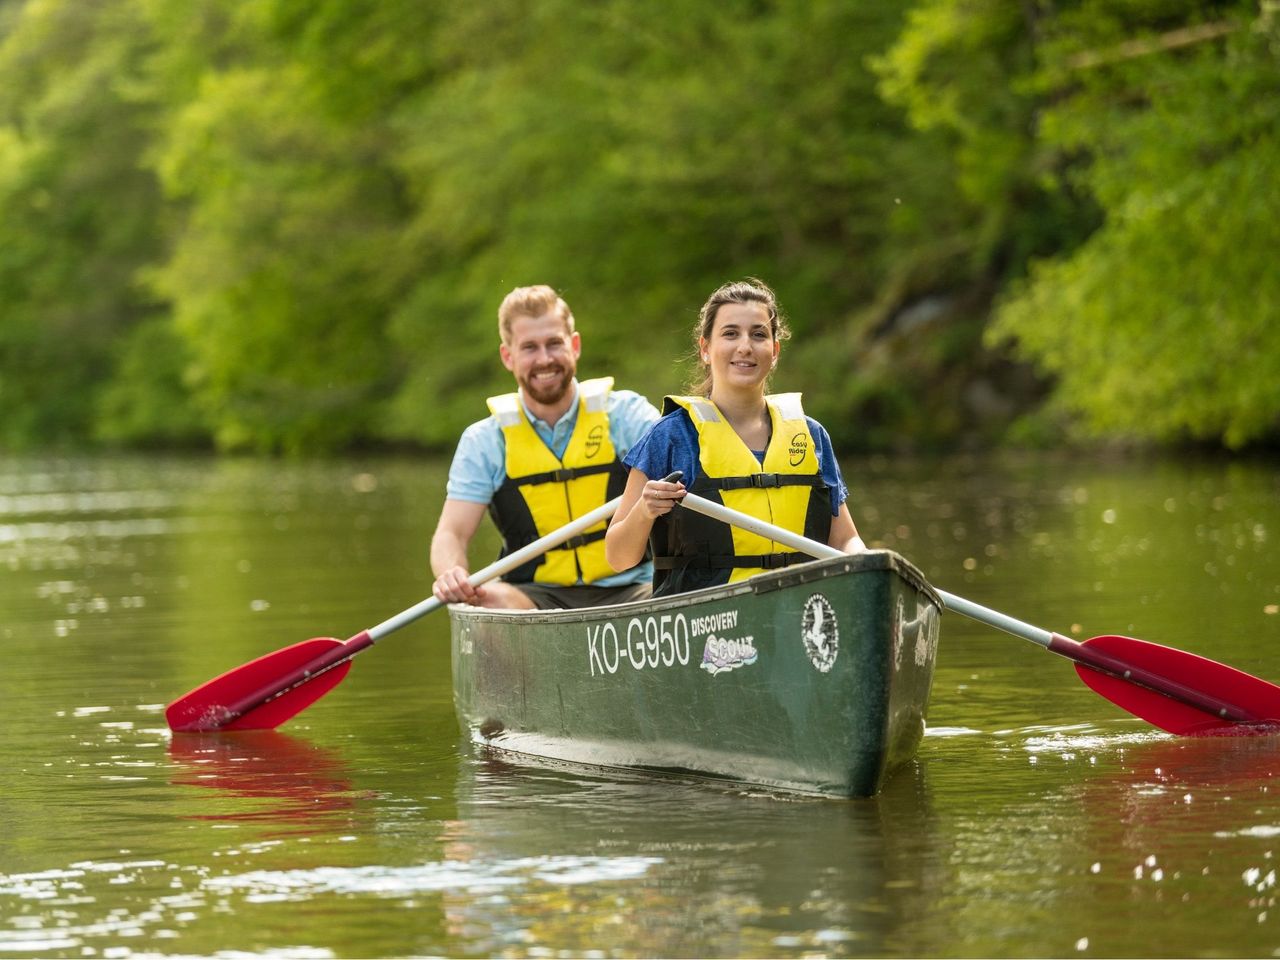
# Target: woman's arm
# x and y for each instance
(643, 501)
(844, 535)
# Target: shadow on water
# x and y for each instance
(536, 857)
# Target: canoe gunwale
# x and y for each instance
(763, 583)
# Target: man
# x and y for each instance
(547, 454)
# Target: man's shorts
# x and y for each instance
(548, 597)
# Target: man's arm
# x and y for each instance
(458, 523)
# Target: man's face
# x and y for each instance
(543, 355)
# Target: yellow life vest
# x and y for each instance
(542, 493)
(787, 490)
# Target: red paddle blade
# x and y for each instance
(1250, 695)
(206, 707)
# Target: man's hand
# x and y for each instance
(454, 586)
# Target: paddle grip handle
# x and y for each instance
(298, 676)
(1106, 663)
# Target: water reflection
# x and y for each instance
(265, 776)
(720, 872)
(1201, 785)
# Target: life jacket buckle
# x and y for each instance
(581, 540)
(777, 561)
(757, 480)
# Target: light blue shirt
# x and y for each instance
(480, 463)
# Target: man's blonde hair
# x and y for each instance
(531, 302)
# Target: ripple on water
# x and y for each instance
(951, 732)
(161, 917)
(272, 885)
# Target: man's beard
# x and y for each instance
(548, 393)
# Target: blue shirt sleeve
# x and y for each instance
(479, 464)
(630, 417)
(671, 444)
(828, 465)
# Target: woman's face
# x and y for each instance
(741, 349)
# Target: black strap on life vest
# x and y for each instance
(762, 481)
(563, 475)
(767, 561)
(691, 551)
(510, 512)
(581, 540)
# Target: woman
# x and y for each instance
(755, 453)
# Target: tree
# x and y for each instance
(79, 214)
(1162, 324)
(1139, 143)
(274, 276)
(636, 162)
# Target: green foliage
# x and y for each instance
(286, 225)
(1122, 152)
(637, 161)
(147, 402)
(78, 215)
(275, 278)
(1158, 326)
(969, 70)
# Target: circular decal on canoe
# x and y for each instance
(820, 632)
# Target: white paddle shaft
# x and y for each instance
(503, 565)
(824, 551)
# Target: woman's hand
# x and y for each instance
(659, 497)
(643, 501)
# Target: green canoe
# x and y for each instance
(814, 679)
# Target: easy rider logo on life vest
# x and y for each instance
(799, 447)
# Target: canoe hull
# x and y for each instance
(812, 680)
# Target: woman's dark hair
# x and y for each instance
(749, 290)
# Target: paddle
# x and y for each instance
(265, 692)
(1171, 689)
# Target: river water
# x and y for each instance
(1038, 820)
